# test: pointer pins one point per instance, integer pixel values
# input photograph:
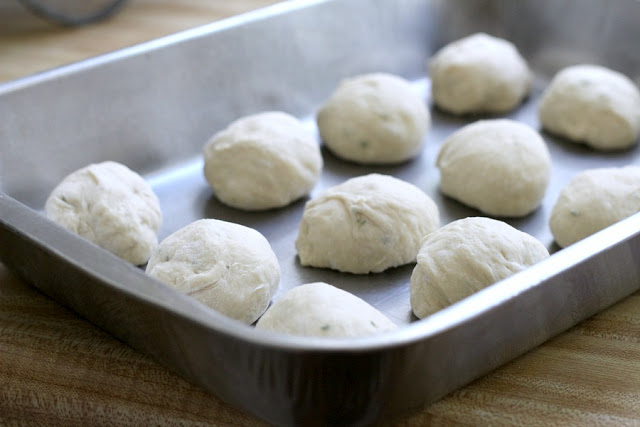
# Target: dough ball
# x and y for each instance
(365, 225)
(229, 267)
(592, 105)
(110, 205)
(500, 167)
(479, 74)
(595, 199)
(321, 310)
(374, 119)
(466, 256)
(262, 161)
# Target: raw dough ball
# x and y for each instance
(321, 310)
(366, 224)
(466, 256)
(592, 105)
(110, 205)
(262, 161)
(229, 267)
(595, 199)
(500, 167)
(479, 74)
(373, 119)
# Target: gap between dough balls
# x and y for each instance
(110, 205)
(365, 225)
(500, 167)
(374, 119)
(593, 200)
(592, 105)
(321, 310)
(466, 256)
(479, 74)
(262, 161)
(228, 267)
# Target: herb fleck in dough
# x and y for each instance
(262, 161)
(466, 256)
(500, 167)
(374, 119)
(479, 74)
(228, 267)
(592, 105)
(110, 205)
(366, 224)
(321, 310)
(593, 200)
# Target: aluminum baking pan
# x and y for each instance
(153, 106)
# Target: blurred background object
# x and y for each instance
(73, 12)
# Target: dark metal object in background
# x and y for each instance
(73, 13)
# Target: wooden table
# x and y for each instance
(58, 369)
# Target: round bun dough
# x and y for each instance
(228, 267)
(500, 167)
(321, 310)
(593, 200)
(479, 74)
(366, 224)
(466, 256)
(110, 205)
(262, 161)
(592, 105)
(374, 119)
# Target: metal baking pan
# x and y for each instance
(153, 106)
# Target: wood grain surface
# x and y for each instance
(58, 369)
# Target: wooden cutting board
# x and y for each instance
(58, 369)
